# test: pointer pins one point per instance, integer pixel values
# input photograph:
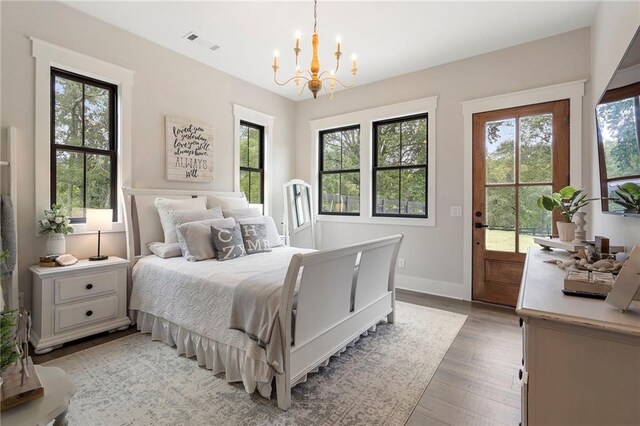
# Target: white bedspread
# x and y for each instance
(197, 295)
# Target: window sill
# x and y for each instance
(81, 229)
(394, 221)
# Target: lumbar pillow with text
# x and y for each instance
(272, 230)
(165, 205)
(243, 213)
(165, 250)
(227, 203)
(255, 238)
(195, 238)
(228, 242)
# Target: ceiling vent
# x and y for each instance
(195, 38)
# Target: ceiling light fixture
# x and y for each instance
(316, 78)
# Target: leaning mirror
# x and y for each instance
(618, 133)
(299, 226)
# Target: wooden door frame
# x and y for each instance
(574, 91)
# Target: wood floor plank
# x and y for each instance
(450, 414)
(480, 387)
(420, 419)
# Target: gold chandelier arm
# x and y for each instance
(326, 92)
(289, 80)
(346, 86)
(306, 83)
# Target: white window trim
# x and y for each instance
(365, 119)
(574, 91)
(241, 113)
(49, 55)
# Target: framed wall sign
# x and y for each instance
(189, 150)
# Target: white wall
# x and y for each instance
(434, 255)
(165, 83)
(611, 33)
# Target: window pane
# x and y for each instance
(245, 182)
(254, 188)
(387, 191)
(98, 181)
(254, 148)
(535, 148)
(244, 146)
(388, 144)
(413, 190)
(617, 124)
(331, 192)
(501, 218)
(414, 142)
(350, 192)
(533, 221)
(500, 151)
(331, 151)
(68, 112)
(96, 119)
(351, 149)
(69, 181)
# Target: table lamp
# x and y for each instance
(99, 220)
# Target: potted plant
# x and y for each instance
(628, 196)
(568, 201)
(55, 225)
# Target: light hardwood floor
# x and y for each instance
(476, 383)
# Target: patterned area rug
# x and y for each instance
(379, 380)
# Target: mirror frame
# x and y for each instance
(287, 205)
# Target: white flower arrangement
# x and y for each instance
(55, 221)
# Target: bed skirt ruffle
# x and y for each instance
(213, 355)
(220, 357)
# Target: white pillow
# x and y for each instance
(243, 213)
(178, 217)
(165, 250)
(227, 203)
(195, 238)
(165, 205)
(272, 230)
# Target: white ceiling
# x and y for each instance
(390, 38)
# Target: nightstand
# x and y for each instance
(70, 302)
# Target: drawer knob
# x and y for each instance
(89, 286)
(520, 374)
(89, 313)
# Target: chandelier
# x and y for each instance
(313, 78)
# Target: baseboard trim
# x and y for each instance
(433, 287)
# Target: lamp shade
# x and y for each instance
(99, 219)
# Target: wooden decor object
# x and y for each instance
(14, 392)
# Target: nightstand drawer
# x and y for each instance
(83, 313)
(85, 286)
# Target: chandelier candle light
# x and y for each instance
(315, 78)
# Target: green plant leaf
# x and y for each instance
(567, 192)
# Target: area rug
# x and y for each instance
(379, 380)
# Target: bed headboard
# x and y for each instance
(142, 221)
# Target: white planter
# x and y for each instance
(566, 231)
(56, 244)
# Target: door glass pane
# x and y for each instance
(501, 218)
(68, 112)
(96, 117)
(535, 148)
(388, 191)
(532, 221)
(500, 151)
(69, 181)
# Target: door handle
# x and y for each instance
(478, 225)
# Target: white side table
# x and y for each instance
(58, 390)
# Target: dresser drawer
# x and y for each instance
(84, 313)
(85, 286)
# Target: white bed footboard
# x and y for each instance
(343, 292)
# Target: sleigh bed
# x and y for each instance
(324, 301)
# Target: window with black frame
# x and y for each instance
(400, 167)
(340, 171)
(252, 161)
(83, 144)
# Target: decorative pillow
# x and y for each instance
(195, 238)
(165, 205)
(228, 242)
(165, 250)
(227, 203)
(243, 213)
(272, 230)
(178, 217)
(255, 238)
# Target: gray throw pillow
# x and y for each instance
(228, 242)
(195, 238)
(256, 239)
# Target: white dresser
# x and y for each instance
(75, 301)
(581, 357)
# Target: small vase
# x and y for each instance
(566, 231)
(581, 234)
(56, 244)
